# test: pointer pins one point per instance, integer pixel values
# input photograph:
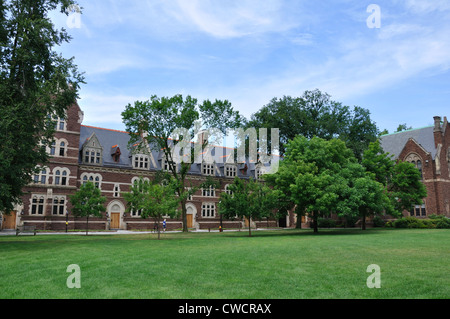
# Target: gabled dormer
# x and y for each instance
(92, 151)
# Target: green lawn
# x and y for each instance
(288, 264)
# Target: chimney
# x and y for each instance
(437, 124)
(438, 136)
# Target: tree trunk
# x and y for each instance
(159, 232)
(250, 226)
(363, 221)
(184, 216)
(87, 224)
(315, 217)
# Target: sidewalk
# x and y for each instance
(123, 232)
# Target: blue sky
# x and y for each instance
(249, 51)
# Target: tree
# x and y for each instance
(315, 114)
(406, 188)
(248, 199)
(151, 124)
(35, 83)
(375, 160)
(318, 184)
(88, 201)
(402, 180)
(153, 200)
(403, 127)
(363, 195)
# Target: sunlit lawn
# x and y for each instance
(288, 264)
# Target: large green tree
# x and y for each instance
(316, 114)
(402, 180)
(317, 184)
(152, 124)
(35, 82)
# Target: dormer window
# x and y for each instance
(141, 161)
(92, 151)
(207, 169)
(230, 170)
(115, 153)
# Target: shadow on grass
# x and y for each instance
(304, 232)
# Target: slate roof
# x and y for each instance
(110, 140)
(394, 143)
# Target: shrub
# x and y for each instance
(440, 221)
(401, 223)
(326, 223)
(350, 221)
(435, 221)
(378, 221)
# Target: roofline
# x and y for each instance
(414, 129)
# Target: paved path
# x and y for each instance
(121, 232)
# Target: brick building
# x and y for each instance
(429, 149)
(84, 153)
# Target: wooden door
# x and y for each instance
(190, 219)
(9, 221)
(115, 220)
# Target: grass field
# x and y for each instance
(284, 264)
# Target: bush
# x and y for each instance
(440, 221)
(326, 223)
(435, 221)
(350, 221)
(401, 223)
(378, 222)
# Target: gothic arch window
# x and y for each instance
(42, 176)
(59, 205)
(61, 176)
(96, 179)
(416, 160)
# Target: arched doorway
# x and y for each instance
(115, 211)
(191, 212)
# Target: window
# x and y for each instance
(208, 169)
(59, 205)
(62, 149)
(41, 178)
(230, 170)
(116, 190)
(141, 162)
(208, 210)
(227, 190)
(57, 177)
(208, 192)
(418, 211)
(259, 172)
(37, 205)
(416, 161)
(136, 213)
(62, 124)
(61, 176)
(53, 149)
(92, 156)
(94, 178)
